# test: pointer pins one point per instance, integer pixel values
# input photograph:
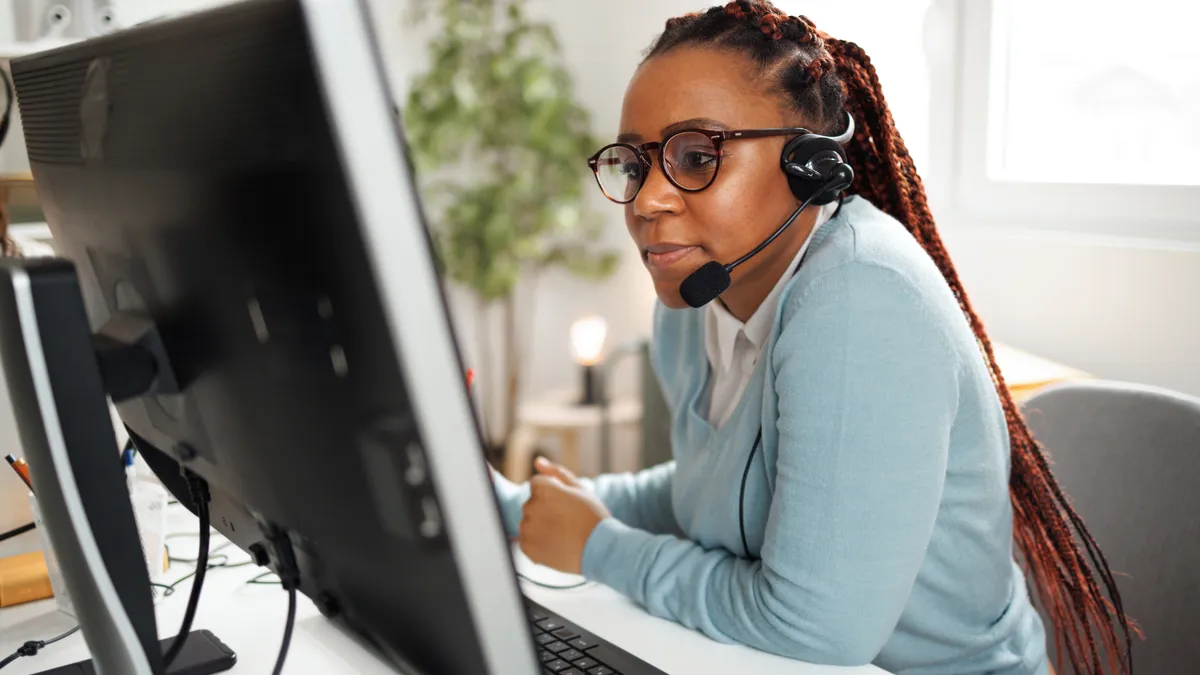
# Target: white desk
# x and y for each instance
(249, 618)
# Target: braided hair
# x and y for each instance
(817, 77)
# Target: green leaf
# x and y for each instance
(499, 143)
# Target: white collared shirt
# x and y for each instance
(733, 347)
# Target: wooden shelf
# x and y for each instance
(17, 179)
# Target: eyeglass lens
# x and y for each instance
(689, 158)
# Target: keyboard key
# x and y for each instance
(557, 647)
(545, 639)
(558, 665)
(602, 670)
(582, 643)
(547, 656)
(570, 671)
(571, 655)
(549, 625)
(612, 658)
(565, 634)
(537, 615)
(585, 663)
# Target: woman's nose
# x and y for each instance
(658, 195)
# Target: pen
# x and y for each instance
(21, 468)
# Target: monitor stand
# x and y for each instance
(60, 376)
(202, 654)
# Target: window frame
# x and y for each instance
(961, 48)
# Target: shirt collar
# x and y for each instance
(722, 328)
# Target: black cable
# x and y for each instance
(194, 600)
(32, 647)
(217, 561)
(9, 96)
(758, 438)
(554, 587)
(287, 631)
(742, 494)
(199, 493)
(193, 561)
(17, 531)
(61, 637)
(289, 577)
(823, 189)
(169, 589)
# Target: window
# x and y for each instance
(1110, 88)
(1066, 115)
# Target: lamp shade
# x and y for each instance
(587, 339)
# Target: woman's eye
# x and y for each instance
(697, 161)
(631, 170)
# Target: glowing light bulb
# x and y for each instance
(587, 339)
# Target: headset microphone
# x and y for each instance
(712, 279)
(817, 173)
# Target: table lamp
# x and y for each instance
(587, 346)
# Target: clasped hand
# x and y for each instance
(558, 518)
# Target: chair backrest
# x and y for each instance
(1128, 457)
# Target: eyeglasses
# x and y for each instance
(689, 158)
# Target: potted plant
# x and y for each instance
(499, 143)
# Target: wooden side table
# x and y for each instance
(558, 415)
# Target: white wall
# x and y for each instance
(1119, 309)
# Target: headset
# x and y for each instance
(816, 165)
(817, 173)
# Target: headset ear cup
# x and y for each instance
(805, 179)
(802, 187)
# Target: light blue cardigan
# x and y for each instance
(878, 505)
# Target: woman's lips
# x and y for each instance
(666, 255)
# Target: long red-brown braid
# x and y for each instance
(820, 76)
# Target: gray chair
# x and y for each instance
(1128, 457)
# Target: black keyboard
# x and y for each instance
(567, 649)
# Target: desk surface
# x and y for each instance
(249, 618)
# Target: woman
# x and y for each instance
(850, 471)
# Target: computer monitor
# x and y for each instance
(233, 190)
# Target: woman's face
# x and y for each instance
(676, 231)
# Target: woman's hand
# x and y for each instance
(560, 515)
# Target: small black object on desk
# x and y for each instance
(202, 654)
